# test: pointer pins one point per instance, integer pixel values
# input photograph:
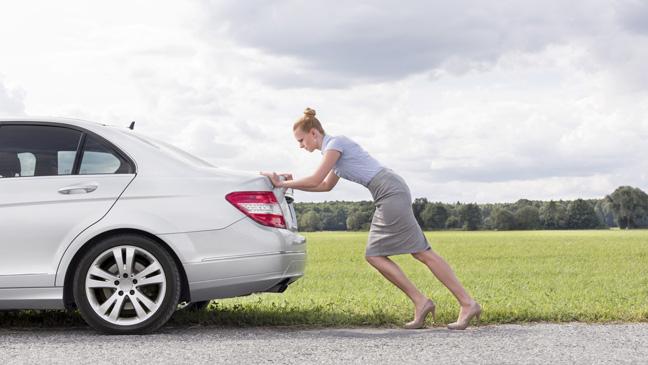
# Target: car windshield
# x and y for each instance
(169, 148)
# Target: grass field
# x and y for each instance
(590, 276)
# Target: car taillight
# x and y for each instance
(262, 206)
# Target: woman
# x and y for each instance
(394, 229)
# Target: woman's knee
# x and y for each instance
(374, 260)
(418, 255)
(424, 256)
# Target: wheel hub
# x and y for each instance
(125, 285)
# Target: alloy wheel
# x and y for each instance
(125, 285)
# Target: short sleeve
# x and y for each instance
(335, 144)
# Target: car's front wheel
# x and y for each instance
(126, 284)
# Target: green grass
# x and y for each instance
(589, 276)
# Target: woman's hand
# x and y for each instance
(287, 176)
(274, 178)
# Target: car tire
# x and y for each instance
(126, 284)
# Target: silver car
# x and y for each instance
(125, 227)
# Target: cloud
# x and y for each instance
(469, 100)
(540, 118)
(511, 169)
(633, 15)
(368, 41)
(12, 101)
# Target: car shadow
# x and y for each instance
(243, 316)
(235, 317)
(40, 318)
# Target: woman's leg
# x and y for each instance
(394, 274)
(447, 277)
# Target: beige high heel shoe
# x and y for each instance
(475, 311)
(420, 321)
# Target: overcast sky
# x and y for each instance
(470, 101)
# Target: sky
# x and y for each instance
(468, 100)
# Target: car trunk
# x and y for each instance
(249, 181)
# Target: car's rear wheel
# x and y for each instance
(126, 284)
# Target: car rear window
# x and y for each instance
(169, 149)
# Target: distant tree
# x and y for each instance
(327, 221)
(581, 215)
(340, 219)
(630, 205)
(488, 212)
(347, 215)
(355, 220)
(487, 223)
(527, 217)
(521, 203)
(452, 222)
(470, 216)
(604, 211)
(418, 206)
(310, 221)
(552, 215)
(503, 219)
(334, 219)
(434, 216)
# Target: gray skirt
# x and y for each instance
(394, 229)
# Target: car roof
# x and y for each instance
(135, 151)
(59, 120)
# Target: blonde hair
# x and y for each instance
(308, 122)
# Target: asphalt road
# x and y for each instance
(503, 344)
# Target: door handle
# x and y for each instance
(78, 189)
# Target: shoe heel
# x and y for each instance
(433, 311)
(478, 315)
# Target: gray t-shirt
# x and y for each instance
(354, 164)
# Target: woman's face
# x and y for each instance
(307, 141)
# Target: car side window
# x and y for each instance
(37, 150)
(99, 158)
(27, 163)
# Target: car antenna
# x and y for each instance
(132, 125)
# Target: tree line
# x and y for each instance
(626, 207)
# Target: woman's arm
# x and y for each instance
(310, 182)
(326, 185)
(313, 181)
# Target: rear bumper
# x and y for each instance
(241, 259)
(256, 274)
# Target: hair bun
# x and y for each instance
(310, 112)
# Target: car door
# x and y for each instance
(56, 181)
